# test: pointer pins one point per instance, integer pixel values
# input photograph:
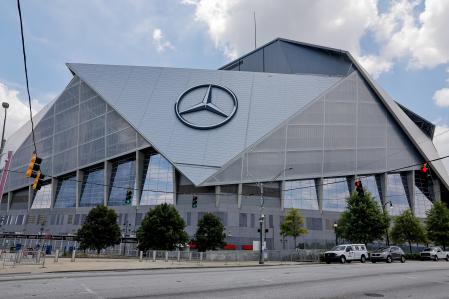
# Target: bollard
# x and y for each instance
(154, 255)
(201, 257)
(73, 255)
(179, 256)
(56, 256)
(43, 262)
(140, 256)
(190, 256)
(166, 256)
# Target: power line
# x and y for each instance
(26, 74)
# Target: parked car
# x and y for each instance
(434, 253)
(388, 254)
(346, 253)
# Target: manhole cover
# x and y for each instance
(374, 295)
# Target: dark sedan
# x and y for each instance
(388, 254)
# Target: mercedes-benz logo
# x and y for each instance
(209, 114)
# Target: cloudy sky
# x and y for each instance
(403, 44)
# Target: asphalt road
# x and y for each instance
(355, 280)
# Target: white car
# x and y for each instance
(434, 253)
(346, 253)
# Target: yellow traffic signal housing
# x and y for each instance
(37, 183)
(34, 167)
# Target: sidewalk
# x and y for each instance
(102, 264)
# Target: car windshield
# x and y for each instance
(428, 249)
(338, 248)
(382, 249)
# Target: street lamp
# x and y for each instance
(261, 257)
(336, 234)
(5, 105)
(386, 230)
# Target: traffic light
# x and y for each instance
(195, 202)
(424, 168)
(359, 188)
(37, 183)
(34, 167)
(129, 196)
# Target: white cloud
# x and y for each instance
(160, 41)
(441, 97)
(18, 112)
(441, 141)
(338, 24)
(401, 32)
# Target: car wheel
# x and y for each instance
(342, 259)
(402, 259)
(447, 257)
(363, 259)
(435, 258)
(389, 260)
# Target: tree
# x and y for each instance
(293, 225)
(407, 228)
(162, 228)
(100, 230)
(210, 233)
(437, 224)
(363, 221)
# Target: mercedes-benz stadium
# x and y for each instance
(300, 122)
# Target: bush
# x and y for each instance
(413, 256)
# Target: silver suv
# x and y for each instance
(388, 254)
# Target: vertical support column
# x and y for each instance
(175, 193)
(282, 195)
(9, 202)
(383, 181)
(79, 185)
(217, 196)
(319, 192)
(411, 190)
(54, 185)
(351, 183)
(30, 198)
(107, 181)
(436, 189)
(138, 186)
(239, 196)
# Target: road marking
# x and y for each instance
(411, 277)
(266, 280)
(90, 291)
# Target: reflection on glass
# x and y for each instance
(396, 194)
(369, 183)
(92, 189)
(335, 192)
(158, 181)
(66, 192)
(423, 195)
(300, 195)
(122, 176)
(42, 198)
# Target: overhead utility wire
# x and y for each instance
(26, 75)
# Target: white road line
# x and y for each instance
(90, 291)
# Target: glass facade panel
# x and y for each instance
(335, 192)
(66, 192)
(423, 195)
(122, 177)
(19, 200)
(92, 189)
(42, 198)
(369, 183)
(158, 181)
(396, 194)
(300, 195)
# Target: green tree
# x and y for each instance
(407, 228)
(210, 233)
(162, 228)
(293, 225)
(100, 230)
(363, 221)
(437, 224)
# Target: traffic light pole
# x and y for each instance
(262, 226)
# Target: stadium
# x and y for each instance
(288, 125)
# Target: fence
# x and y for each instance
(22, 257)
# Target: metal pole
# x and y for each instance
(5, 105)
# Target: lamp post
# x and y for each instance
(2, 144)
(261, 257)
(386, 230)
(336, 233)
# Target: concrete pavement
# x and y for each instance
(355, 280)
